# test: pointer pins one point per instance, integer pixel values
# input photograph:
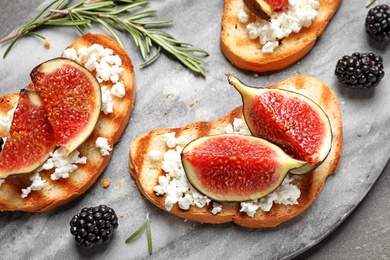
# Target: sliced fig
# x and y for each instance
(259, 8)
(288, 119)
(231, 167)
(263, 9)
(30, 139)
(72, 100)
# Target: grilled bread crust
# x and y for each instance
(110, 126)
(145, 172)
(246, 53)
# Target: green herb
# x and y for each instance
(144, 225)
(369, 2)
(115, 16)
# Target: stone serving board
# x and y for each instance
(165, 90)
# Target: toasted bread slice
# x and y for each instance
(110, 126)
(146, 171)
(246, 53)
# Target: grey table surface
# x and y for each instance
(360, 230)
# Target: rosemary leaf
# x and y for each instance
(145, 224)
(149, 235)
(369, 2)
(142, 15)
(10, 46)
(136, 233)
(151, 59)
(67, 22)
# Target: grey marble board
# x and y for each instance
(164, 93)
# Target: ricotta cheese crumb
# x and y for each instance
(238, 127)
(63, 164)
(37, 184)
(107, 103)
(286, 194)
(6, 121)
(154, 155)
(102, 143)
(118, 90)
(298, 14)
(216, 208)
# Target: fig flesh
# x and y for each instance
(30, 139)
(288, 119)
(72, 99)
(231, 167)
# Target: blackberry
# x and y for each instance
(378, 22)
(93, 225)
(360, 70)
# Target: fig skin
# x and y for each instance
(259, 8)
(249, 93)
(234, 168)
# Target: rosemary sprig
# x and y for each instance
(115, 16)
(144, 225)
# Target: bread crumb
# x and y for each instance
(256, 75)
(105, 183)
(120, 183)
(122, 214)
(192, 103)
(46, 44)
(133, 184)
(299, 71)
(227, 72)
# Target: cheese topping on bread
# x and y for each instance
(176, 188)
(107, 68)
(298, 14)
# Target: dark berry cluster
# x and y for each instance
(93, 225)
(378, 22)
(360, 70)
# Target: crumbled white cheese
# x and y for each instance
(298, 14)
(107, 103)
(216, 208)
(63, 164)
(238, 127)
(172, 141)
(108, 67)
(37, 184)
(118, 90)
(286, 194)
(243, 16)
(154, 155)
(102, 143)
(70, 53)
(6, 121)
